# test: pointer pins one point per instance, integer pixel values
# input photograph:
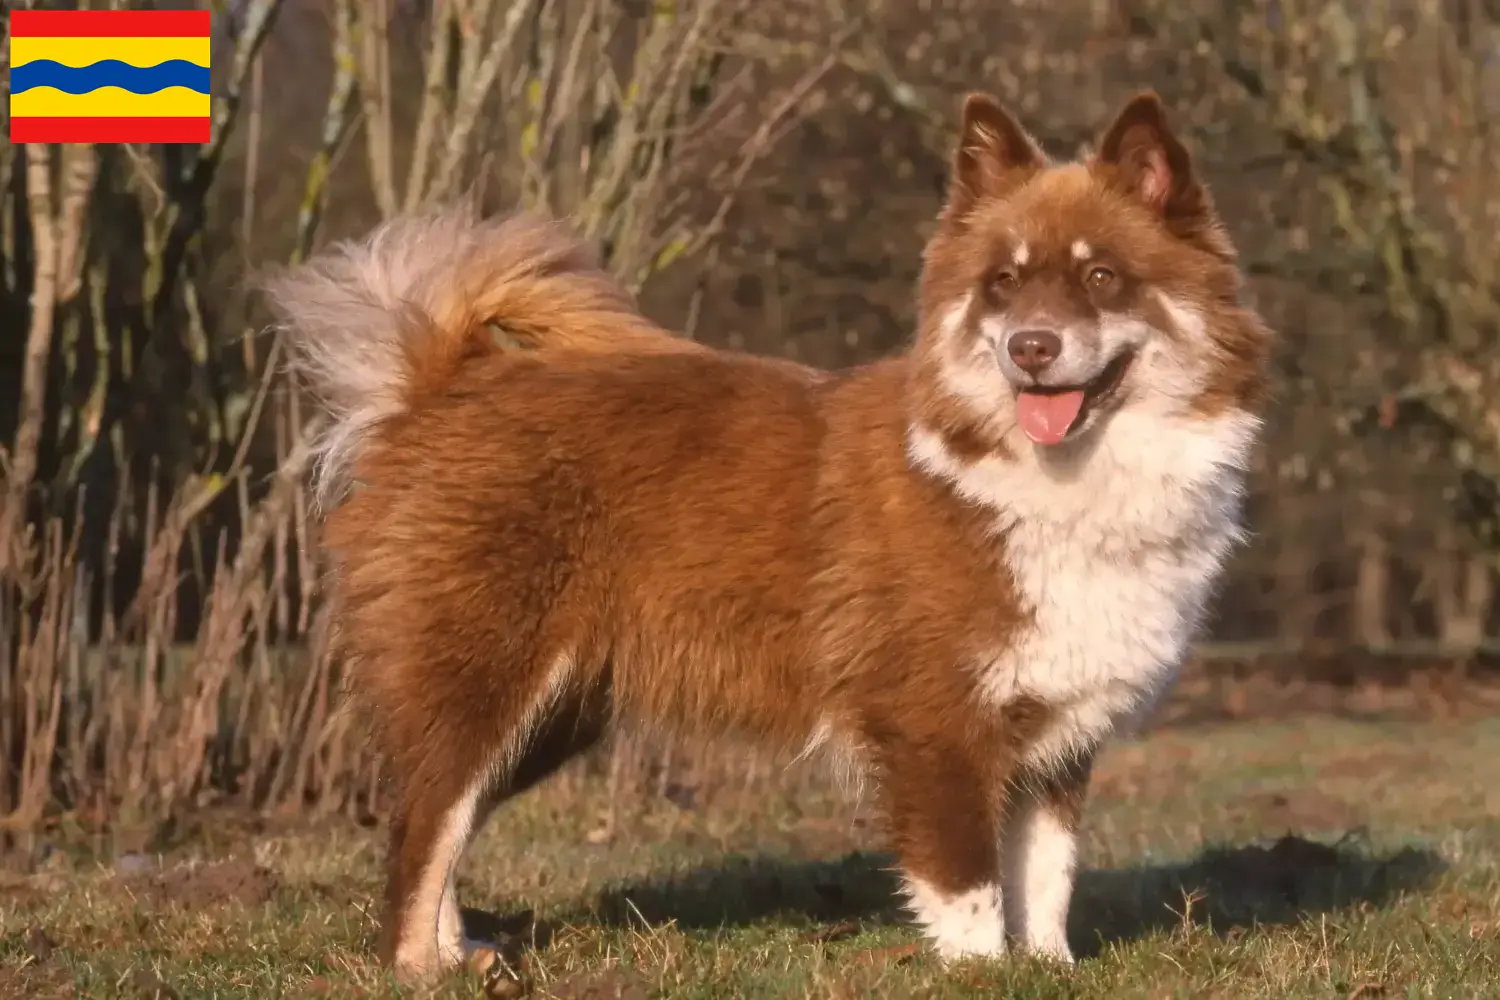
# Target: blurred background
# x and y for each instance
(765, 173)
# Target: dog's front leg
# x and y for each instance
(944, 821)
(1039, 855)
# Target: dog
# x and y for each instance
(961, 568)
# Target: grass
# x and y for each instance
(1317, 857)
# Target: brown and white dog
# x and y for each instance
(961, 568)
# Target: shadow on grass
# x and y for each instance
(1223, 889)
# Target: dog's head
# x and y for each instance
(1056, 294)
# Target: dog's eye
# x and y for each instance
(1100, 277)
(1005, 282)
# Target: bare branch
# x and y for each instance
(439, 53)
(23, 454)
(80, 165)
(471, 98)
(335, 124)
(373, 25)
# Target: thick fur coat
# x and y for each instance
(961, 569)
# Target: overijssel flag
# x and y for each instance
(109, 76)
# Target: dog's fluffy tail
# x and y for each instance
(373, 324)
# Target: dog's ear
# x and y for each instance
(995, 154)
(1148, 160)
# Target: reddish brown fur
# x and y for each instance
(705, 540)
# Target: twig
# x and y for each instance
(80, 166)
(471, 98)
(91, 417)
(373, 26)
(439, 53)
(235, 592)
(764, 138)
(185, 213)
(252, 168)
(335, 124)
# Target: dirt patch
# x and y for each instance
(150, 987)
(233, 881)
(40, 944)
(49, 982)
(343, 891)
(608, 984)
(1300, 809)
(1379, 764)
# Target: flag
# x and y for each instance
(109, 76)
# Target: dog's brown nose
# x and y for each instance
(1034, 350)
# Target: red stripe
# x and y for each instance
(109, 130)
(109, 23)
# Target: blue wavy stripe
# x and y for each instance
(109, 73)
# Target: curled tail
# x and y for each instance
(373, 324)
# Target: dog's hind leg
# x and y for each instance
(455, 762)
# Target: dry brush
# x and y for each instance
(161, 639)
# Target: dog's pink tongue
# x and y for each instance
(1047, 416)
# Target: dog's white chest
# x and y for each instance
(1115, 559)
(1109, 630)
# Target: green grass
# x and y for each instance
(1389, 888)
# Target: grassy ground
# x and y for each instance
(1286, 859)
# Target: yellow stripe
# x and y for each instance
(110, 102)
(82, 51)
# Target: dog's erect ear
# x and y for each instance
(1152, 162)
(994, 155)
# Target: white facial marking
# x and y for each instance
(1167, 373)
(967, 924)
(1022, 254)
(1189, 321)
(1040, 858)
(1082, 251)
(1085, 353)
(974, 377)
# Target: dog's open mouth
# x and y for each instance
(1048, 414)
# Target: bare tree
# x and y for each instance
(637, 122)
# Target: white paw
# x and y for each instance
(965, 925)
